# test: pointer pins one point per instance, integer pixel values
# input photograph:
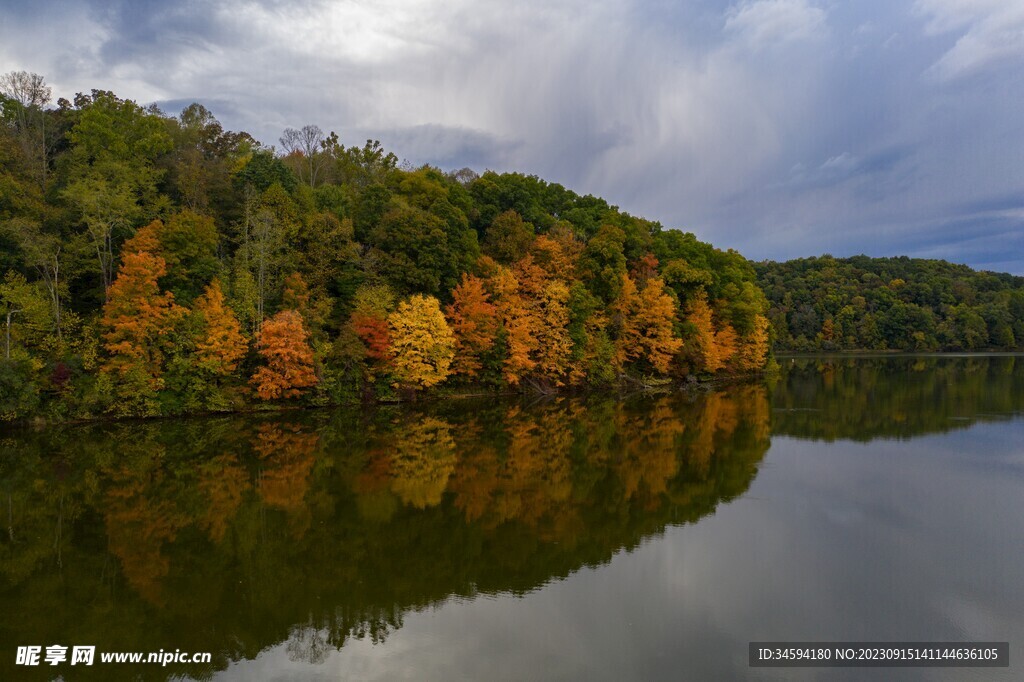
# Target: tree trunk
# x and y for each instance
(7, 352)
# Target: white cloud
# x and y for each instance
(992, 32)
(767, 23)
(841, 162)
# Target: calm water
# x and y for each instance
(642, 537)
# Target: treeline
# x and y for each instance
(157, 264)
(908, 304)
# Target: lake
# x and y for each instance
(642, 536)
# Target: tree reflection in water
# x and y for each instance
(233, 535)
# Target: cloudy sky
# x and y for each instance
(781, 128)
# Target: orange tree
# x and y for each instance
(138, 322)
(284, 345)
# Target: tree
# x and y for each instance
(188, 243)
(554, 345)
(263, 170)
(283, 344)
(108, 206)
(369, 321)
(421, 341)
(112, 179)
(654, 319)
(138, 322)
(265, 239)
(627, 337)
(306, 146)
(297, 297)
(706, 342)
(517, 324)
(375, 334)
(29, 93)
(43, 251)
(726, 343)
(557, 252)
(753, 348)
(137, 316)
(508, 237)
(327, 255)
(21, 301)
(604, 262)
(644, 322)
(413, 251)
(19, 396)
(592, 351)
(474, 322)
(220, 344)
(685, 279)
(27, 89)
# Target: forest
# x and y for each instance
(157, 264)
(907, 304)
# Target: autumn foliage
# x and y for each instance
(375, 335)
(705, 340)
(137, 317)
(517, 322)
(335, 274)
(422, 342)
(283, 344)
(654, 320)
(645, 322)
(753, 350)
(221, 344)
(474, 322)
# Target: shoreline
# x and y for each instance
(625, 387)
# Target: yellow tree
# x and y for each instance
(554, 345)
(557, 252)
(544, 301)
(517, 322)
(284, 344)
(654, 317)
(628, 338)
(536, 321)
(644, 320)
(753, 349)
(705, 340)
(220, 344)
(422, 343)
(726, 343)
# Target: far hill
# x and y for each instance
(827, 303)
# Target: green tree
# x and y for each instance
(23, 305)
(603, 263)
(508, 238)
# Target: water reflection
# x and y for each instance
(893, 396)
(293, 536)
(235, 535)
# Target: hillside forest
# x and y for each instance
(157, 264)
(906, 304)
